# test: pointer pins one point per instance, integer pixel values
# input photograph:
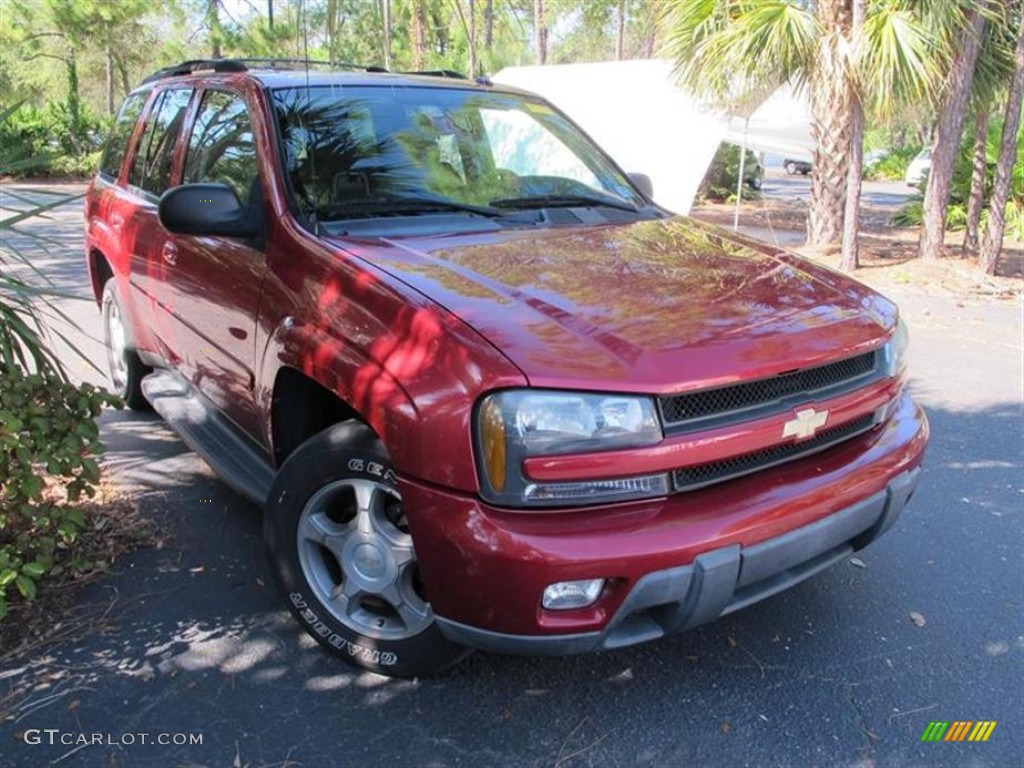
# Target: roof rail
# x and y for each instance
(242, 65)
(197, 65)
(438, 73)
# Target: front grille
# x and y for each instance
(691, 478)
(810, 382)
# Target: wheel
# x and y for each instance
(756, 184)
(126, 369)
(791, 168)
(341, 550)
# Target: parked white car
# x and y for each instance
(919, 168)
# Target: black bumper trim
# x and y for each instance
(716, 583)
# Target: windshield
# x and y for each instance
(353, 151)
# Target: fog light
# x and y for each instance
(566, 595)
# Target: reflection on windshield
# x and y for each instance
(366, 143)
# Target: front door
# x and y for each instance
(217, 279)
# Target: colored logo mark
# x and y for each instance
(959, 730)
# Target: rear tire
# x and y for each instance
(126, 368)
(341, 550)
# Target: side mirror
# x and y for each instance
(207, 209)
(643, 182)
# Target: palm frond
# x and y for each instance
(724, 50)
(899, 62)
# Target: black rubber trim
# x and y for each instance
(716, 583)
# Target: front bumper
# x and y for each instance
(716, 583)
(670, 563)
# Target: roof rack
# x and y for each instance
(242, 65)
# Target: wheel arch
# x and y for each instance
(300, 407)
(100, 272)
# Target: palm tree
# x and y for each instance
(850, 257)
(767, 42)
(951, 114)
(992, 243)
(992, 74)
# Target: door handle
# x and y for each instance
(170, 253)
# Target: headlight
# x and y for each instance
(516, 424)
(896, 351)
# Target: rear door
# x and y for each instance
(217, 279)
(151, 173)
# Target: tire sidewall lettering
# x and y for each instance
(336, 641)
(374, 469)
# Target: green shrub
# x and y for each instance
(892, 167)
(49, 441)
(48, 434)
(50, 141)
(720, 180)
(912, 214)
(79, 166)
(1015, 220)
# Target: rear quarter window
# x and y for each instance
(151, 166)
(120, 134)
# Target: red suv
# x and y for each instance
(488, 393)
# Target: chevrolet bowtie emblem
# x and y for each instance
(805, 424)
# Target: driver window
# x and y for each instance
(222, 148)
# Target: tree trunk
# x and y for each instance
(419, 35)
(332, 27)
(472, 37)
(488, 25)
(110, 81)
(122, 70)
(992, 243)
(540, 32)
(830, 128)
(951, 114)
(976, 201)
(652, 31)
(213, 24)
(620, 41)
(385, 15)
(850, 259)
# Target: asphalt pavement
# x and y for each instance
(191, 640)
(881, 195)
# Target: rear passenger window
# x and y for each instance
(120, 134)
(151, 167)
(222, 148)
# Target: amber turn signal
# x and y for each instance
(492, 441)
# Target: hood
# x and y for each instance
(654, 306)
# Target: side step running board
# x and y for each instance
(232, 455)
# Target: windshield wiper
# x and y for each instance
(565, 201)
(371, 206)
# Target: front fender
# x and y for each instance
(414, 384)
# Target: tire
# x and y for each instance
(340, 549)
(126, 368)
(791, 168)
